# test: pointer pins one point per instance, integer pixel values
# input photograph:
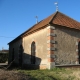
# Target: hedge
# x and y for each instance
(3, 57)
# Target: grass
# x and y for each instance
(53, 74)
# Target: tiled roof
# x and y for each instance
(57, 18)
(63, 20)
(40, 24)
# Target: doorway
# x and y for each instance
(20, 55)
(13, 54)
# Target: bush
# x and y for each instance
(3, 57)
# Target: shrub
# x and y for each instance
(3, 57)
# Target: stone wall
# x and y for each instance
(14, 46)
(40, 39)
(66, 45)
(55, 45)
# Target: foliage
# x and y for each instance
(3, 57)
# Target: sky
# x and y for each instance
(16, 16)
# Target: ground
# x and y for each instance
(12, 75)
(53, 74)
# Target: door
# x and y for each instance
(13, 54)
(20, 55)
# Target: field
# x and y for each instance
(53, 74)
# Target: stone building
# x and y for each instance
(51, 42)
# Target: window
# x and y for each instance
(33, 48)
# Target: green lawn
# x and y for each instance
(53, 74)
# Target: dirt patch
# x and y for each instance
(12, 75)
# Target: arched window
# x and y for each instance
(79, 51)
(33, 48)
(20, 54)
(13, 54)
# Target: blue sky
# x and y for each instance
(16, 16)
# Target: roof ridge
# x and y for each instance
(65, 20)
(54, 15)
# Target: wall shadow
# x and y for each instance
(18, 58)
(24, 61)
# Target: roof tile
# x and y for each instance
(63, 20)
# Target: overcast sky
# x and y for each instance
(16, 16)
